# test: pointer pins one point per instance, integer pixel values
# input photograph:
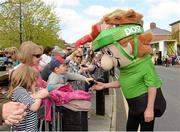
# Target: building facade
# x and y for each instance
(162, 42)
(175, 29)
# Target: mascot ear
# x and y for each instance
(135, 17)
(130, 13)
(145, 38)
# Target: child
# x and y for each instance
(22, 89)
(60, 74)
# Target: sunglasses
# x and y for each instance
(78, 56)
(37, 55)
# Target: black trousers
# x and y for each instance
(134, 121)
(138, 105)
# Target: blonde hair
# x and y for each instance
(13, 50)
(77, 52)
(27, 50)
(24, 76)
(6, 50)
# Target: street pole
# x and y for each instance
(20, 22)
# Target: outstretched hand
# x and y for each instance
(98, 86)
(88, 80)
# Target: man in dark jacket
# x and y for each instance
(11, 112)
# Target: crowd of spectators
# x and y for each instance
(167, 60)
(35, 71)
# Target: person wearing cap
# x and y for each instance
(60, 74)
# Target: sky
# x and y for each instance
(77, 16)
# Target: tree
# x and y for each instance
(39, 23)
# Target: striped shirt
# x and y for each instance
(30, 122)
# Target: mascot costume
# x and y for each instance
(120, 36)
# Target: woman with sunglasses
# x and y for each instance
(75, 62)
(30, 54)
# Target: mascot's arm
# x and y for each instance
(100, 85)
(149, 112)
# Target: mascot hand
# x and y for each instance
(90, 37)
(85, 39)
(96, 29)
(98, 86)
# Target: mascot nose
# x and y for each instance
(107, 62)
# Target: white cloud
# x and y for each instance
(73, 25)
(146, 26)
(159, 1)
(60, 3)
(71, 2)
(97, 10)
(2, 1)
(77, 24)
(164, 9)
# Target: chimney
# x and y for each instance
(152, 25)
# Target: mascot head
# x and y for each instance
(123, 42)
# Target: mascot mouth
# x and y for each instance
(108, 62)
(118, 63)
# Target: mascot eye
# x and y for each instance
(108, 52)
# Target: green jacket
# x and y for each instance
(136, 78)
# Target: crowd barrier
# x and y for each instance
(64, 119)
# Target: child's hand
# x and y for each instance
(89, 79)
(44, 93)
(40, 94)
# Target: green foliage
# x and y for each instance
(39, 23)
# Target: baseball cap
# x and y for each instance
(57, 61)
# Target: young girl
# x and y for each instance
(22, 89)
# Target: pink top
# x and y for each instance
(62, 96)
(40, 82)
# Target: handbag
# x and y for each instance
(160, 103)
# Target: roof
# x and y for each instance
(174, 23)
(159, 31)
